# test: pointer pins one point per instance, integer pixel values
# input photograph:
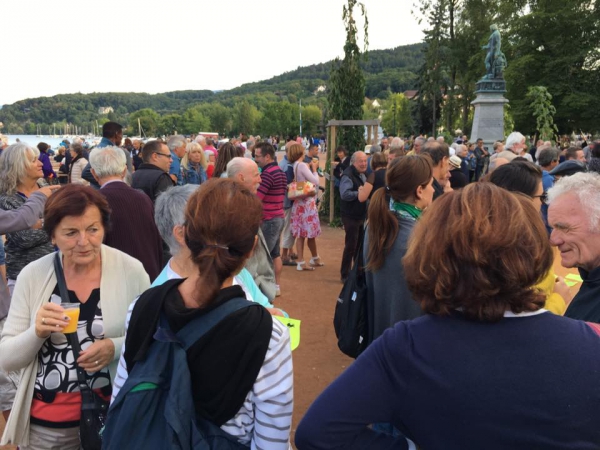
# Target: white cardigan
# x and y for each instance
(123, 279)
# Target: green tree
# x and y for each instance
(311, 118)
(346, 90)
(347, 81)
(246, 117)
(543, 110)
(566, 60)
(397, 117)
(169, 124)
(433, 75)
(148, 119)
(193, 121)
(220, 118)
(279, 118)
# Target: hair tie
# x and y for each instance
(224, 247)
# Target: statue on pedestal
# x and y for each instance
(495, 61)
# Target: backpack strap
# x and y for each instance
(201, 325)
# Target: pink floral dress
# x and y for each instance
(305, 217)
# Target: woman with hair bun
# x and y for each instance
(241, 371)
(393, 213)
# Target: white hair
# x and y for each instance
(355, 155)
(397, 143)
(513, 138)
(200, 139)
(169, 211)
(236, 165)
(108, 161)
(586, 186)
(176, 141)
(14, 162)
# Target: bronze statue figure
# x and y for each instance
(495, 61)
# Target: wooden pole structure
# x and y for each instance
(332, 146)
(368, 135)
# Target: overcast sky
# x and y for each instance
(67, 46)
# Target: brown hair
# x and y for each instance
(77, 148)
(497, 252)
(295, 152)
(73, 200)
(150, 147)
(404, 175)
(227, 152)
(378, 160)
(221, 223)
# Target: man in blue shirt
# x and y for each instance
(177, 145)
(548, 160)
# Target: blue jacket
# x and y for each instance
(194, 174)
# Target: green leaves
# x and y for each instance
(543, 110)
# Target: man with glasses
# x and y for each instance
(153, 175)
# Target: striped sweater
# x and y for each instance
(272, 191)
(264, 421)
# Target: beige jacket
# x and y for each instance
(123, 279)
(77, 170)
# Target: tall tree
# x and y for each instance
(543, 110)
(433, 78)
(554, 44)
(346, 89)
(397, 117)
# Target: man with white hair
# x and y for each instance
(177, 145)
(515, 143)
(260, 264)
(418, 144)
(132, 218)
(353, 211)
(574, 215)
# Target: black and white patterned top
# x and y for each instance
(22, 247)
(57, 373)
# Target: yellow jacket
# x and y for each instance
(554, 302)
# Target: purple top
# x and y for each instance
(46, 165)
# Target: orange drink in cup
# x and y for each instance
(72, 312)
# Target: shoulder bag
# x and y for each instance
(300, 189)
(93, 407)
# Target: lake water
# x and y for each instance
(33, 141)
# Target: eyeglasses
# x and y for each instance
(162, 154)
(543, 198)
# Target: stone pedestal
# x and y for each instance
(488, 120)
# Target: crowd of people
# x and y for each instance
(473, 340)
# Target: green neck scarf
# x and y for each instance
(406, 209)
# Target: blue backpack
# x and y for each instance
(155, 409)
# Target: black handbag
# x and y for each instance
(93, 407)
(350, 319)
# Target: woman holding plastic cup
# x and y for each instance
(101, 283)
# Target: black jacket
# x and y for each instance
(437, 188)
(353, 209)
(586, 304)
(151, 179)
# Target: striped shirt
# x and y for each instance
(272, 191)
(265, 419)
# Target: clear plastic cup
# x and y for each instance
(71, 311)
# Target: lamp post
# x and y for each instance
(300, 109)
